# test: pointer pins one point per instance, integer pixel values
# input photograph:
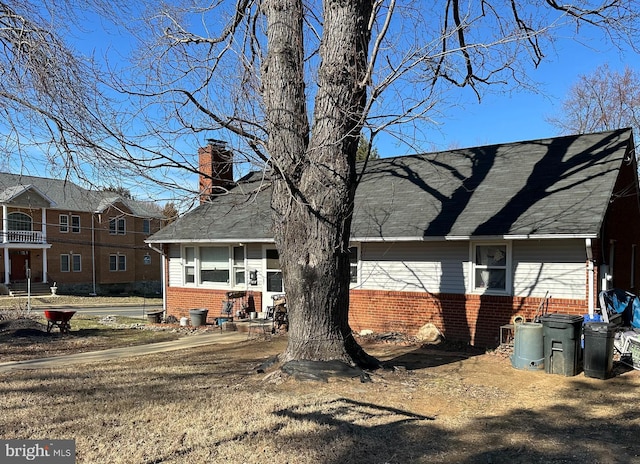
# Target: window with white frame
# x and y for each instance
(189, 265)
(491, 262)
(146, 226)
(70, 262)
(65, 263)
(353, 264)
(214, 264)
(75, 224)
(274, 272)
(63, 221)
(239, 271)
(117, 262)
(18, 221)
(117, 226)
(76, 263)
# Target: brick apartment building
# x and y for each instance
(86, 242)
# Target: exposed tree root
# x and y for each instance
(320, 371)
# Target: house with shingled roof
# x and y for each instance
(463, 239)
(84, 241)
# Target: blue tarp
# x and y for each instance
(618, 301)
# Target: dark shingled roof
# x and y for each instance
(68, 196)
(541, 188)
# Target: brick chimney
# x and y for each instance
(216, 169)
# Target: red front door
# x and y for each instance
(19, 261)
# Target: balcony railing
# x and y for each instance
(23, 236)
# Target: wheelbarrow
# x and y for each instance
(59, 319)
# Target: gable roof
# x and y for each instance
(65, 195)
(10, 193)
(556, 187)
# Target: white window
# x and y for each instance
(239, 272)
(353, 264)
(63, 220)
(214, 264)
(75, 224)
(20, 222)
(189, 265)
(76, 263)
(65, 263)
(147, 260)
(491, 267)
(117, 226)
(274, 273)
(70, 262)
(117, 262)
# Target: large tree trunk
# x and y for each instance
(315, 172)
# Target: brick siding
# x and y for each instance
(473, 319)
(181, 300)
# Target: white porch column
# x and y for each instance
(44, 265)
(6, 266)
(44, 225)
(5, 224)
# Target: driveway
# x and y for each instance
(190, 341)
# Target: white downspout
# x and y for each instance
(164, 277)
(590, 276)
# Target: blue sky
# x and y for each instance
(520, 115)
(500, 117)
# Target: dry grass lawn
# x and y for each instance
(208, 405)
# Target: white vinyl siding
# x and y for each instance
(175, 267)
(440, 267)
(254, 263)
(556, 266)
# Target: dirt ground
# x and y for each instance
(442, 403)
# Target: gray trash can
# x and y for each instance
(598, 349)
(562, 340)
(528, 351)
(198, 317)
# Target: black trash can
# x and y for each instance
(598, 349)
(154, 317)
(562, 350)
(198, 317)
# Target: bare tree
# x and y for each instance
(603, 100)
(292, 84)
(48, 95)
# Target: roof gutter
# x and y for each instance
(207, 240)
(453, 238)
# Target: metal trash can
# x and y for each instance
(562, 343)
(198, 317)
(598, 349)
(528, 351)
